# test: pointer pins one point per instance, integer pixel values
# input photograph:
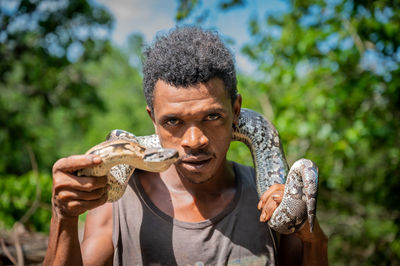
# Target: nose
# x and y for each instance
(194, 138)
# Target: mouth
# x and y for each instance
(195, 163)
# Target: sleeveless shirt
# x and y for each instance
(144, 235)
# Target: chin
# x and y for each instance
(196, 176)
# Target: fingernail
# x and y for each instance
(275, 196)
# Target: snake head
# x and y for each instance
(160, 155)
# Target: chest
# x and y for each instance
(184, 205)
(143, 234)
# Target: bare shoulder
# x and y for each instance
(97, 247)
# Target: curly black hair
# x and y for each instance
(187, 56)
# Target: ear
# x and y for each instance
(151, 114)
(236, 109)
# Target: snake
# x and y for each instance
(121, 156)
(123, 152)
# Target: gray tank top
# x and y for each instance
(144, 235)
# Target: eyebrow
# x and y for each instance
(216, 110)
(176, 115)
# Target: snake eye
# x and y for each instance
(158, 155)
(151, 156)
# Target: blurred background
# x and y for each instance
(325, 72)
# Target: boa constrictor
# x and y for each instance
(123, 152)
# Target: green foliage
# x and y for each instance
(18, 195)
(330, 70)
(185, 8)
(332, 77)
(119, 89)
(44, 46)
(335, 96)
(59, 103)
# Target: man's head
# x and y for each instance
(190, 88)
(188, 56)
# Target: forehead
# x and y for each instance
(211, 94)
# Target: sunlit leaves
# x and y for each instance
(336, 107)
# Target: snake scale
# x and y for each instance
(123, 152)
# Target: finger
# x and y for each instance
(274, 189)
(84, 205)
(77, 207)
(65, 181)
(268, 210)
(70, 195)
(75, 162)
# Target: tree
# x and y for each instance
(43, 47)
(330, 70)
(46, 97)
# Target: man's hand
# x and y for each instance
(302, 247)
(269, 201)
(73, 195)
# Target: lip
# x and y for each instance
(196, 164)
(196, 160)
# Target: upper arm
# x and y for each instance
(97, 247)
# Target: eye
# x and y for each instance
(212, 117)
(172, 122)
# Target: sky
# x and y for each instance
(157, 16)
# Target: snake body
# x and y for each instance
(300, 195)
(301, 187)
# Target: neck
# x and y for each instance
(176, 196)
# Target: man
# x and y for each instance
(203, 209)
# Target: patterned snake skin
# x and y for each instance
(121, 156)
(300, 195)
(301, 187)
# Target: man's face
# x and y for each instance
(196, 121)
